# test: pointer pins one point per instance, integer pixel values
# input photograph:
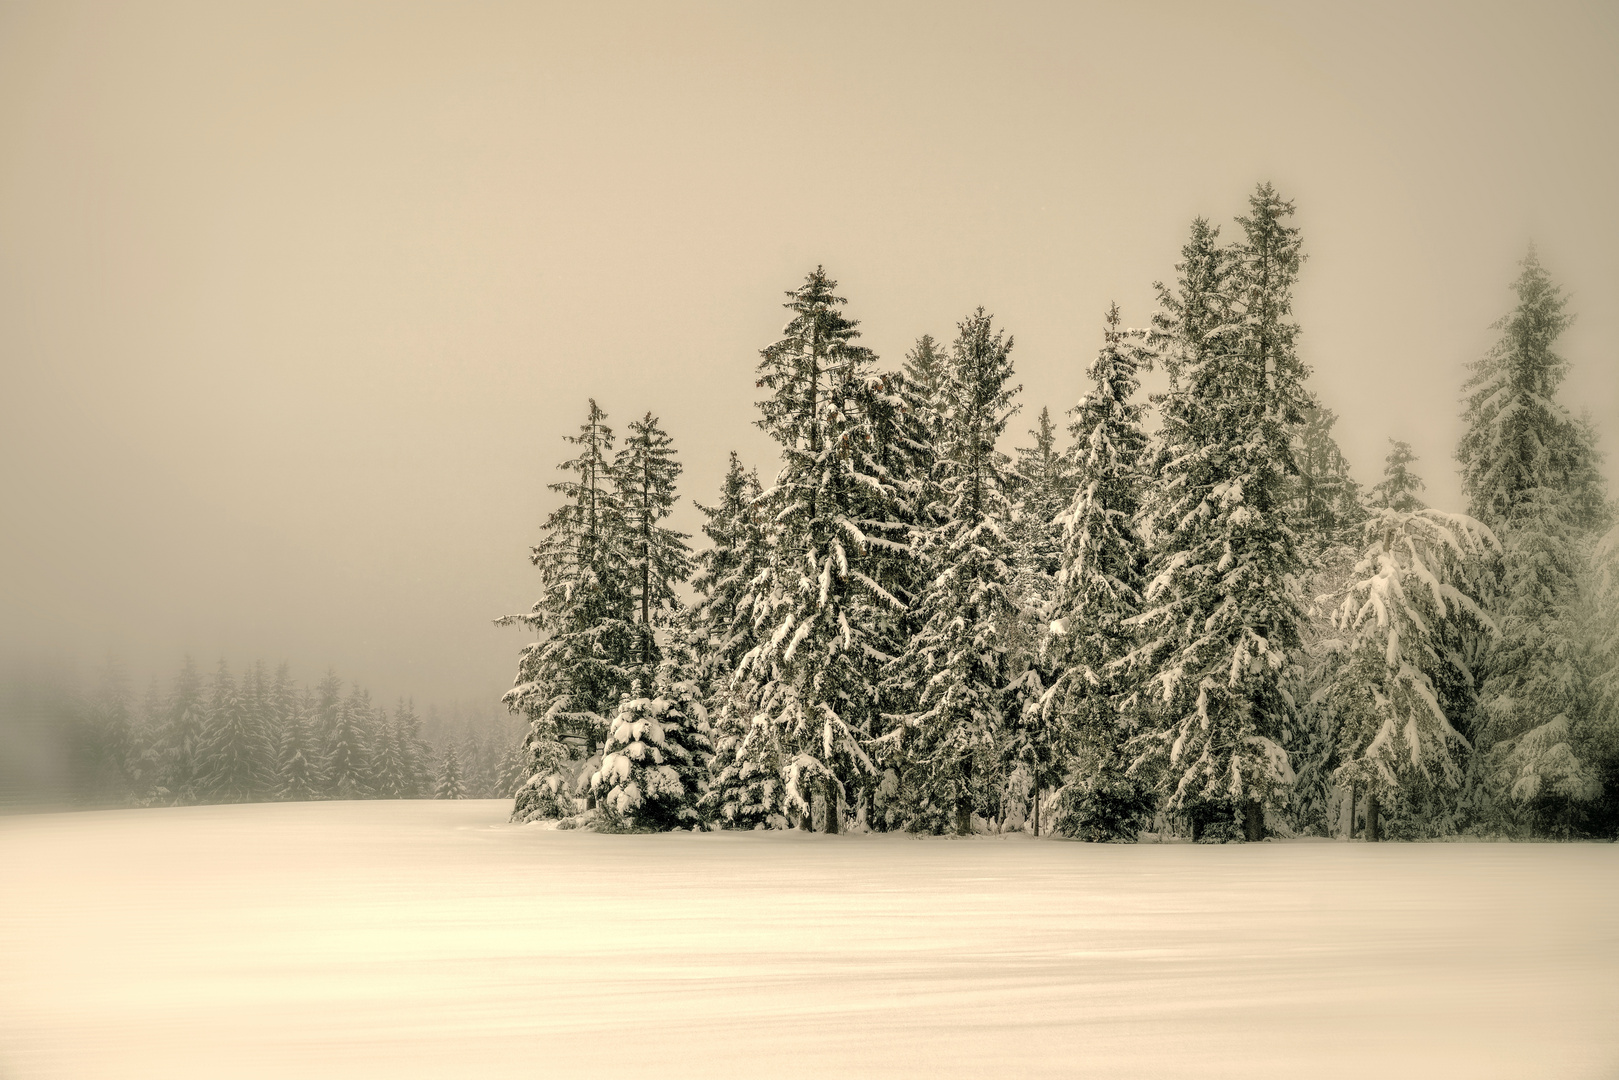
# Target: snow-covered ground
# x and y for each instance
(432, 939)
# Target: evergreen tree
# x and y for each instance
(235, 752)
(1101, 581)
(1390, 680)
(414, 764)
(1399, 486)
(738, 552)
(328, 708)
(1043, 486)
(570, 680)
(927, 366)
(349, 749)
(145, 762)
(655, 760)
(180, 739)
(512, 772)
(1598, 740)
(1222, 614)
(301, 775)
(451, 784)
(959, 663)
(658, 559)
(1530, 472)
(809, 686)
(1326, 502)
(390, 775)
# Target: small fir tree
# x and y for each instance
(1399, 486)
(655, 760)
(451, 784)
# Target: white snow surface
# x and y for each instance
(432, 939)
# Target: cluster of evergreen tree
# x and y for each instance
(258, 737)
(1204, 626)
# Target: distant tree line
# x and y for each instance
(1200, 625)
(224, 738)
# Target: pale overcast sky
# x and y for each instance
(296, 300)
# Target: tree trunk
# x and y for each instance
(1374, 827)
(831, 796)
(964, 803)
(1354, 799)
(1037, 808)
(1253, 822)
(1197, 826)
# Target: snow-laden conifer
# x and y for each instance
(179, 739)
(349, 748)
(1530, 472)
(1042, 488)
(655, 759)
(1100, 582)
(738, 552)
(1325, 502)
(569, 682)
(1390, 680)
(808, 692)
(1221, 622)
(959, 662)
(451, 781)
(1599, 738)
(234, 759)
(1399, 486)
(301, 773)
(657, 558)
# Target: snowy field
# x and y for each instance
(432, 939)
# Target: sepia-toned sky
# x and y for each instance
(297, 299)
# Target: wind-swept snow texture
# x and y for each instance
(432, 939)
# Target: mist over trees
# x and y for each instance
(1186, 618)
(234, 737)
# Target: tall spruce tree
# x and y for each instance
(808, 700)
(1222, 615)
(960, 662)
(1530, 472)
(657, 557)
(569, 682)
(1101, 582)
